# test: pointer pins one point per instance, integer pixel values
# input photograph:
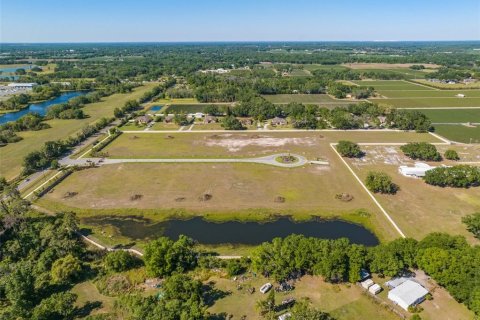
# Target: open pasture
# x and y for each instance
(380, 85)
(452, 115)
(459, 133)
(428, 93)
(388, 65)
(242, 144)
(419, 208)
(320, 99)
(452, 102)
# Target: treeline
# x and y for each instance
(460, 176)
(51, 150)
(446, 73)
(354, 116)
(449, 260)
(72, 108)
(31, 121)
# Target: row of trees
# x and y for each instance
(460, 176)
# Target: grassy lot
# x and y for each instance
(407, 72)
(88, 292)
(419, 208)
(12, 155)
(235, 144)
(177, 101)
(384, 66)
(207, 126)
(165, 126)
(313, 67)
(452, 115)
(344, 302)
(391, 85)
(452, 102)
(459, 133)
(300, 73)
(321, 99)
(188, 108)
(475, 85)
(428, 93)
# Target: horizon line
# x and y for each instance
(239, 41)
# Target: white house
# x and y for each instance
(17, 85)
(408, 294)
(417, 171)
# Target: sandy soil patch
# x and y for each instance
(237, 143)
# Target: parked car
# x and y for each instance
(266, 287)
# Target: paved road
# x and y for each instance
(267, 160)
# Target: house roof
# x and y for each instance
(408, 292)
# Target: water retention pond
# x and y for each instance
(234, 232)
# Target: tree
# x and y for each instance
(267, 305)
(119, 261)
(303, 311)
(421, 151)
(65, 269)
(57, 306)
(460, 176)
(349, 149)
(473, 224)
(380, 182)
(118, 113)
(212, 110)
(163, 256)
(232, 123)
(451, 154)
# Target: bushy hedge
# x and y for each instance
(380, 182)
(461, 176)
(349, 149)
(421, 151)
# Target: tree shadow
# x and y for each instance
(87, 308)
(212, 294)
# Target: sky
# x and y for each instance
(237, 20)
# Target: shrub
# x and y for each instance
(380, 182)
(232, 123)
(451, 155)
(349, 149)
(461, 176)
(421, 151)
(473, 224)
(119, 261)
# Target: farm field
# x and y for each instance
(241, 144)
(406, 72)
(419, 208)
(313, 67)
(321, 99)
(429, 93)
(459, 133)
(380, 85)
(13, 153)
(452, 115)
(387, 65)
(430, 102)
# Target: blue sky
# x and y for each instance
(240, 20)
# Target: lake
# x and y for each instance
(234, 232)
(40, 108)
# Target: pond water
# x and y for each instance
(40, 108)
(156, 108)
(234, 232)
(13, 69)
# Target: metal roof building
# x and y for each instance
(407, 294)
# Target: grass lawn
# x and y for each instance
(313, 67)
(459, 133)
(391, 85)
(177, 101)
(87, 292)
(321, 99)
(419, 208)
(452, 115)
(200, 126)
(300, 73)
(428, 93)
(12, 155)
(444, 102)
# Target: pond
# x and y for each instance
(13, 69)
(234, 232)
(156, 108)
(40, 108)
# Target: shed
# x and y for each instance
(285, 316)
(395, 282)
(367, 283)
(460, 95)
(408, 294)
(364, 274)
(375, 289)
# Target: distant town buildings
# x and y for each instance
(20, 85)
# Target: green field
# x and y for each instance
(188, 108)
(459, 133)
(320, 99)
(12, 155)
(430, 102)
(452, 115)
(407, 72)
(427, 93)
(391, 85)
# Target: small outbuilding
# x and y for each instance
(169, 118)
(210, 119)
(408, 294)
(367, 283)
(375, 289)
(416, 171)
(460, 95)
